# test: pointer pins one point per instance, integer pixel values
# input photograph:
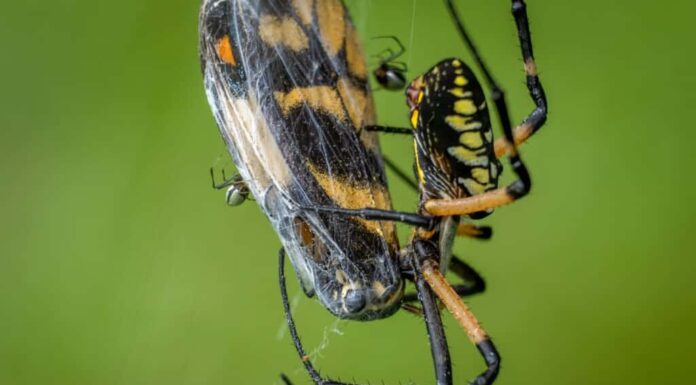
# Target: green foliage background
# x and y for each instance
(120, 265)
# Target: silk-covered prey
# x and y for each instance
(287, 83)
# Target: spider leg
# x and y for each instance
(481, 202)
(378, 215)
(313, 373)
(474, 283)
(501, 196)
(465, 318)
(388, 52)
(285, 379)
(474, 231)
(399, 65)
(464, 229)
(426, 222)
(226, 182)
(536, 119)
(433, 322)
(390, 129)
(393, 55)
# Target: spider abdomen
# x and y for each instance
(453, 136)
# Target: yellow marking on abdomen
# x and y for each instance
(461, 123)
(468, 157)
(471, 139)
(465, 107)
(414, 118)
(481, 175)
(460, 81)
(463, 154)
(460, 93)
(285, 31)
(473, 186)
(419, 169)
(322, 98)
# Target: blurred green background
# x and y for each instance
(120, 265)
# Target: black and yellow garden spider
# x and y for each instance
(457, 170)
(287, 84)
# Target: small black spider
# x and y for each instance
(391, 74)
